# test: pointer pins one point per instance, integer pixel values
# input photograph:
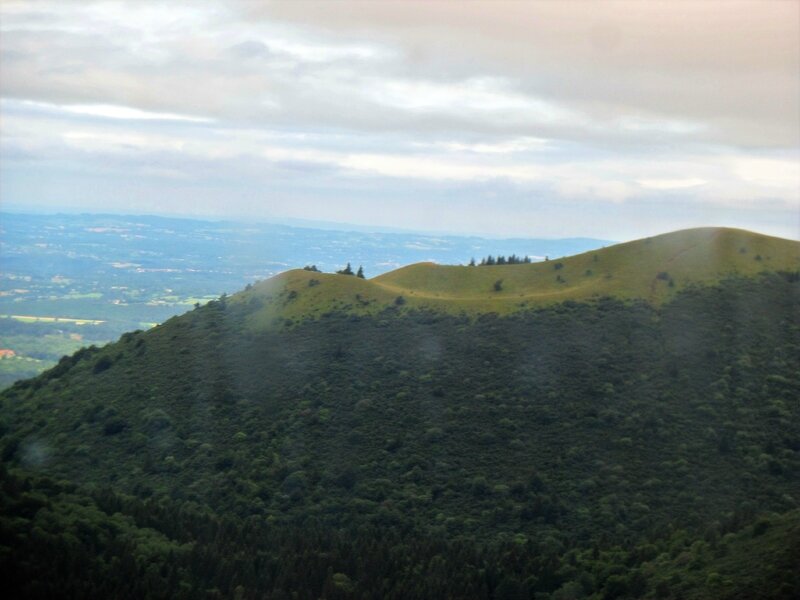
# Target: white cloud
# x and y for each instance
(595, 188)
(654, 124)
(436, 168)
(728, 180)
(769, 172)
(671, 184)
(125, 112)
(318, 53)
(486, 96)
(509, 146)
(103, 142)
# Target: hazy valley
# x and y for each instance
(70, 280)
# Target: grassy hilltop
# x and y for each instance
(653, 269)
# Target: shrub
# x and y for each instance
(347, 478)
(103, 363)
(156, 420)
(295, 484)
(114, 426)
(480, 487)
(760, 528)
(434, 434)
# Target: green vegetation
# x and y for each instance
(38, 345)
(20, 367)
(627, 271)
(634, 270)
(612, 448)
(68, 543)
(501, 260)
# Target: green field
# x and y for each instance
(36, 319)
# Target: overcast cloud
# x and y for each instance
(504, 118)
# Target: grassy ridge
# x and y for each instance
(652, 269)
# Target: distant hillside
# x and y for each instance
(652, 269)
(126, 272)
(644, 443)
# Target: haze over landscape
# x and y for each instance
(339, 300)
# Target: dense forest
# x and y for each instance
(604, 449)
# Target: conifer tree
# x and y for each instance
(348, 270)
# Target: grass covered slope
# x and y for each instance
(652, 269)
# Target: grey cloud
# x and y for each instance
(702, 66)
(391, 109)
(732, 64)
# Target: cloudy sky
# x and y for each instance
(523, 118)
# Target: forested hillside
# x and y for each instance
(602, 449)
